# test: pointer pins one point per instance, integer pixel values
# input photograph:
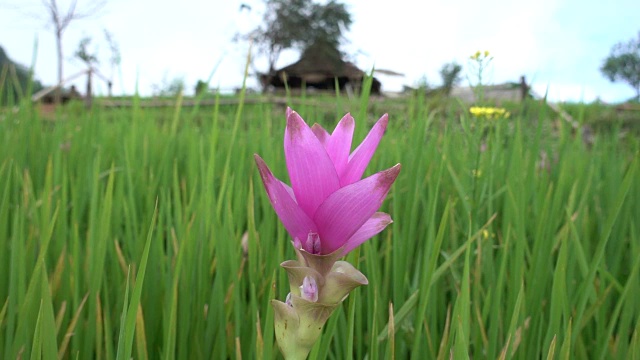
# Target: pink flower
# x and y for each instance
(327, 206)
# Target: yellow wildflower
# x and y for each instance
(489, 112)
(480, 55)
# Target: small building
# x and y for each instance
(318, 69)
(513, 91)
(66, 95)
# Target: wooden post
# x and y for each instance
(88, 99)
(524, 88)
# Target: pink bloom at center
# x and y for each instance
(327, 206)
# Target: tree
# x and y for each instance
(114, 59)
(450, 74)
(299, 24)
(82, 52)
(59, 19)
(623, 64)
(422, 84)
(168, 87)
(89, 59)
(202, 87)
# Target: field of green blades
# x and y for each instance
(146, 233)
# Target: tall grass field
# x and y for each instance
(146, 233)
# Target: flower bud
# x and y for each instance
(313, 243)
(297, 244)
(309, 289)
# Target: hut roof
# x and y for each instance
(321, 61)
(310, 68)
(319, 67)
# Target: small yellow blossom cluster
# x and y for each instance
(489, 112)
(479, 55)
(486, 234)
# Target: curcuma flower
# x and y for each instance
(327, 206)
(328, 211)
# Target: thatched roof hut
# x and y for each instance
(319, 69)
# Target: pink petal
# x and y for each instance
(322, 134)
(346, 210)
(289, 191)
(297, 223)
(339, 144)
(361, 156)
(369, 229)
(313, 176)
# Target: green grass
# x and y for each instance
(121, 236)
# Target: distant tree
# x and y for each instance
(89, 58)
(299, 24)
(422, 84)
(169, 87)
(59, 19)
(450, 74)
(623, 64)
(176, 86)
(83, 53)
(327, 23)
(201, 87)
(114, 59)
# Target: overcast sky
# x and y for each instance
(558, 45)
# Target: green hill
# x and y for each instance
(14, 80)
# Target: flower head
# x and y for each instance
(480, 55)
(309, 289)
(328, 207)
(489, 113)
